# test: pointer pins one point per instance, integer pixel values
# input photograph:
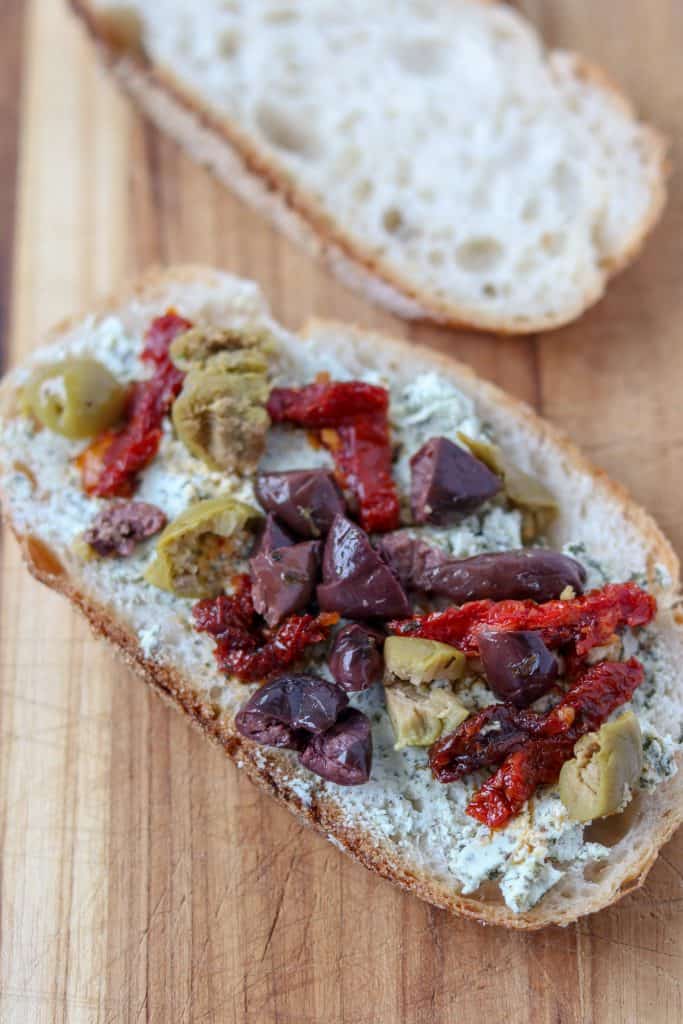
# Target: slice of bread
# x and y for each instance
(403, 826)
(431, 150)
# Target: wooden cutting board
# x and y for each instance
(142, 878)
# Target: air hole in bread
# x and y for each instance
(392, 220)
(436, 257)
(421, 56)
(363, 189)
(228, 43)
(478, 255)
(565, 182)
(489, 290)
(553, 243)
(531, 209)
(281, 15)
(286, 128)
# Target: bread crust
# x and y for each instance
(234, 158)
(662, 811)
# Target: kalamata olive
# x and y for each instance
(272, 537)
(120, 527)
(283, 579)
(356, 657)
(304, 500)
(448, 482)
(518, 666)
(357, 583)
(342, 754)
(526, 573)
(285, 711)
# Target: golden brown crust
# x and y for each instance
(315, 228)
(272, 770)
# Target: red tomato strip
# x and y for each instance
(587, 621)
(361, 448)
(111, 462)
(599, 691)
(247, 650)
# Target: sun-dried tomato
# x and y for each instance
(244, 647)
(505, 793)
(587, 621)
(111, 462)
(353, 420)
(487, 738)
(326, 404)
(534, 746)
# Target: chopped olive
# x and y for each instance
(419, 715)
(284, 712)
(343, 753)
(422, 661)
(517, 664)
(196, 553)
(596, 782)
(356, 582)
(356, 657)
(77, 397)
(221, 417)
(447, 482)
(238, 348)
(304, 500)
(535, 573)
(284, 579)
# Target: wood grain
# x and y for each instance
(142, 878)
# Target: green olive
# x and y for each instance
(221, 418)
(536, 503)
(422, 661)
(197, 552)
(203, 344)
(77, 397)
(595, 783)
(420, 715)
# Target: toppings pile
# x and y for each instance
(272, 584)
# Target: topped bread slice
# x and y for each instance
(430, 150)
(148, 592)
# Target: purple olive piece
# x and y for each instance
(527, 573)
(357, 583)
(342, 754)
(272, 537)
(284, 712)
(356, 657)
(284, 579)
(119, 528)
(447, 482)
(518, 666)
(304, 500)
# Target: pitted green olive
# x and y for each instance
(203, 344)
(422, 661)
(536, 503)
(419, 716)
(595, 783)
(196, 553)
(221, 418)
(77, 397)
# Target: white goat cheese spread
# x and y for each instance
(401, 804)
